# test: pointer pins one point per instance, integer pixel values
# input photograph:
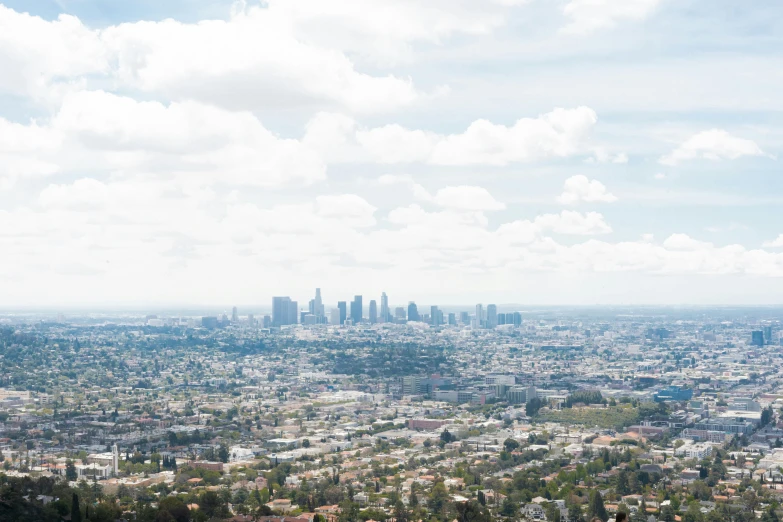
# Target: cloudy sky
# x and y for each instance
(448, 151)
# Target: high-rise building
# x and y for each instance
(502, 319)
(267, 322)
(293, 312)
(251, 320)
(234, 315)
(316, 307)
(464, 318)
(399, 314)
(356, 309)
(373, 312)
(209, 322)
(343, 307)
(767, 334)
(413, 312)
(452, 319)
(492, 316)
(479, 318)
(434, 316)
(385, 314)
(757, 338)
(336, 316)
(516, 319)
(281, 310)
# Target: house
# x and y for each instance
(533, 511)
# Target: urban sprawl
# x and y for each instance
(392, 414)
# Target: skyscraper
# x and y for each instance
(336, 316)
(293, 312)
(356, 309)
(452, 319)
(281, 310)
(479, 319)
(373, 312)
(757, 338)
(413, 312)
(385, 314)
(234, 315)
(342, 306)
(434, 316)
(464, 317)
(399, 314)
(492, 316)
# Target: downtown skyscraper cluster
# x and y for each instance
(285, 312)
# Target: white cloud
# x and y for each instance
(775, 243)
(37, 55)
(559, 133)
(104, 132)
(396, 144)
(255, 59)
(351, 208)
(383, 31)
(714, 144)
(574, 223)
(685, 242)
(467, 198)
(580, 188)
(587, 16)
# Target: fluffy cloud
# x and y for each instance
(35, 53)
(355, 26)
(714, 144)
(467, 198)
(574, 223)
(587, 16)
(559, 133)
(101, 131)
(775, 243)
(193, 61)
(580, 188)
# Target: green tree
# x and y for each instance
(76, 512)
(596, 508)
(176, 508)
(439, 497)
(70, 470)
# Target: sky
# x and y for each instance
(193, 152)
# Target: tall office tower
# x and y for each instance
(434, 316)
(335, 316)
(492, 316)
(234, 315)
(293, 314)
(757, 338)
(318, 308)
(385, 314)
(399, 314)
(373, 312)
(342, 306)
(413, 312)
(267, 321)
(251, 320)
(767, 334)
(356, 309)
(517, 319)
(281, 310)
(452, 319)
(464, 318)
(479, 319)
(501, 319)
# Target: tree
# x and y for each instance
(667, 514)
(76, 513)
(413, 500)
(595, 507)
(70, 470)
(223, 453)
(509, 508)
(622, 487)
(438, 498)
(177, 509)
(510, 444)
